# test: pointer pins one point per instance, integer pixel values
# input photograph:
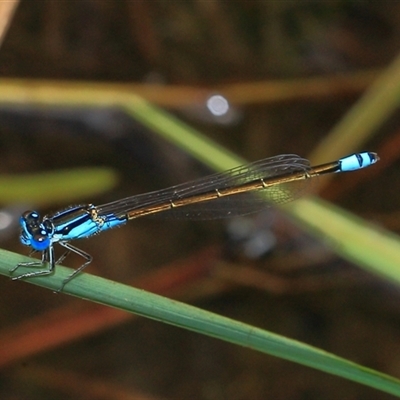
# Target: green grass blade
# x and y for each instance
(355, 239)
(159, 308)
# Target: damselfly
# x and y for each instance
(238, 191)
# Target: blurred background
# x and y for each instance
(292, 70)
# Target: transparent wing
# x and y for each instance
(239, 204)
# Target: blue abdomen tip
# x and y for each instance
(357, 161)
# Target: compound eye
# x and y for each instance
(40, 241)
(30, 217)
(33, 232)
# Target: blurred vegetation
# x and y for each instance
(179, 52)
